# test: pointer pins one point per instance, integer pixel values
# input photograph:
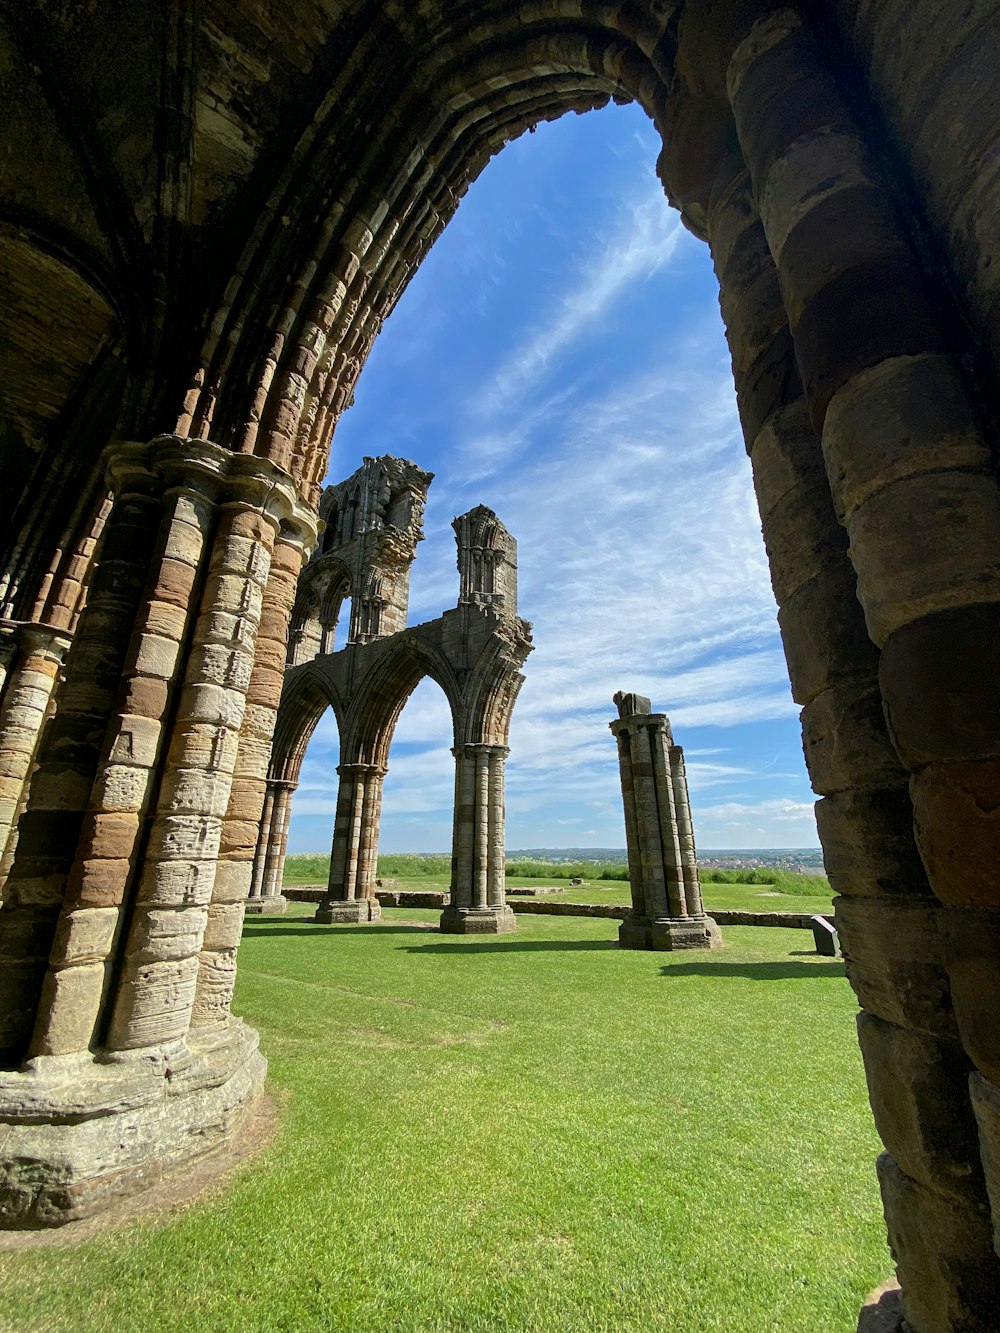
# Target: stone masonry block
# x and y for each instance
(868, 843)
(176, 883)
(232, 882)
(85, 935)
(926, 544)
(193, 791)
(948, 1269)
(122, 787)
(168, 933)
(985, 1096)
(785, 451)
(937, 678)
(918, 1089)
(895, 961)
(956, 809)
(167, 620)
(96, 883)
(154, 1002)
(109, 836)
(213, 704)
(845, 740)
(972, 957)
(802, 537)
(905, 416)
(223, 927)
(157, 656)
(72, 999)
(823, 633)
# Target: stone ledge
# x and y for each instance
(310, 893)
(77, 1133)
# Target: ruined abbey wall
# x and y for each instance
(208, 213)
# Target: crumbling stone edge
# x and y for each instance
(76, 1135)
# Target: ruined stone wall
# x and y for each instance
(208, 213)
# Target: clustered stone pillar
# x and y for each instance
(667, 910)
(123, 919)
(354, 857)
(909, 501)
(478, 891)
(27, 692)
(266, 897)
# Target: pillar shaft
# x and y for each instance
(660, 842)
(354, 858)
(478, 887)
(888, 919)
(27, 694)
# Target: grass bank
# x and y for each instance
(761, 890)
(537, 1132)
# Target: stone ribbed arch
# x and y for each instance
(387, 683)
(472, 90)
(474, 654)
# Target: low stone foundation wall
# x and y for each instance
(312, 893)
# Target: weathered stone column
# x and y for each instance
(662, 868)
(27, 692)
(478, 890)
(114, 1030)
(263, 845)
(70, 750)
(351, 891)
(887, 916)
(266, 897)
(911, 481)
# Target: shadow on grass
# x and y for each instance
(277, 927)
(485, 944)
(829, 967)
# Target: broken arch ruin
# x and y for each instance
(207, 216)
(474, 652)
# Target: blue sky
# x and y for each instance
(560, 357)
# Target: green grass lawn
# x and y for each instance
(539, 1132)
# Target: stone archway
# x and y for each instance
(833, 158)
(474, 653)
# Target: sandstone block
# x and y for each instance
(985, 1097)
(803, 537)
(868, 843)
(157, 656)
(936, 676)
(917, 1083)
(926, 544)
(71, 1003)
(165, 934)
(178, 882)
(785, 452)
(223, 927)
(823, 633)
(895, 961)
(154, 1003)
(96, 883)
(903, 417)
(956, 810)
(85, 935)
(944, 1255)
(846, 742)
(972, 957)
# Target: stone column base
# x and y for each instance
(274, 905)
(344, 913)
(76, 1134)
(477, 921)
(669, 932)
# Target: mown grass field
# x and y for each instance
(532, 1132)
